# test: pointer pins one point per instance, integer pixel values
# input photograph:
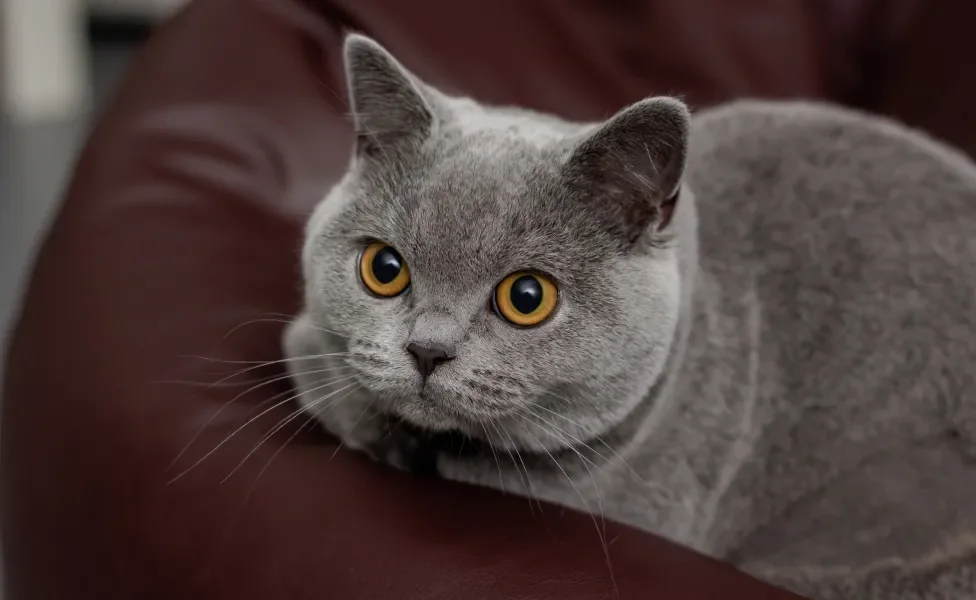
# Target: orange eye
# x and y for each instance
(383, 270)
(525, 299)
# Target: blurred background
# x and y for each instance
(277, 140)
(59, 62)
(284, 134)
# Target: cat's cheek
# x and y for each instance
(299, 339)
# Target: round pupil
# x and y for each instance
(386, 265)
(526, 295)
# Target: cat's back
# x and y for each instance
(839, 259)
(764, 169)
(834, 205)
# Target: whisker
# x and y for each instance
(279, 318)
(597, 438)
(252, 419)
(341, 100)
(277, 452)
(257, 364)
(234, 329)
(317, 327)
(529, 486)
(230, 384)
(361, 122)
(601, 533)
(391, 430)
(354, 425)
(565, 434)
(207, 385)
(254, 387)
(570, 401)
(254, 485)
(498, 464)
(260, 363)
(284, 423)
(584, 460)
(291, 389)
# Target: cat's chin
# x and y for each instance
(431, 416)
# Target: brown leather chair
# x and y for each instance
(179, 236)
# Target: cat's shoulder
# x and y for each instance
(812, 127)
(817, 182)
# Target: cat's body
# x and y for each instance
(796, 390)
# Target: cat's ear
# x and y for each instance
(630, 168)
(388, 104)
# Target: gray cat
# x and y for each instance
(752, 331)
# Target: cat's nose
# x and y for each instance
(428, 357)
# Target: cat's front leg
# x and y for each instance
(404, 449)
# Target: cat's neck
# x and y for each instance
(660, 398)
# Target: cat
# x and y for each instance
(752, 331)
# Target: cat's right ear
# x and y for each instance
(630, 168)
(390, 110)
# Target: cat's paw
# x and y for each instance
(404, 449)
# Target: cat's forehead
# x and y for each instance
(468, 118)
(483, 168)
(486, 190)
(473, 176)
(486, 196)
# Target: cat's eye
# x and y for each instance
(383, 271)
(525, 299)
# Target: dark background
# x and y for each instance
(37, 156)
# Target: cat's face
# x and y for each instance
(486, 270)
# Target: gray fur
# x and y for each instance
(779, 374)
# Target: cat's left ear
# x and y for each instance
(630, 168)
(391, 112)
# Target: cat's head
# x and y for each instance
(493, 270)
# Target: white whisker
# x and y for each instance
(284, 318)
(257, 478)
(254, 387)
(355, 424)
(529, 486)
(257, 364)
(252, 419)
(280, 449)
(498, 464)
(584, 460)
(288, 419)
(601, 533)
(278, 318)
(597, 438)
(564, 434)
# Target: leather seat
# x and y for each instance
(179, 236)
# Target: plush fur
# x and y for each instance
(765, 340)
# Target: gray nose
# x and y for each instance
(428, 357)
